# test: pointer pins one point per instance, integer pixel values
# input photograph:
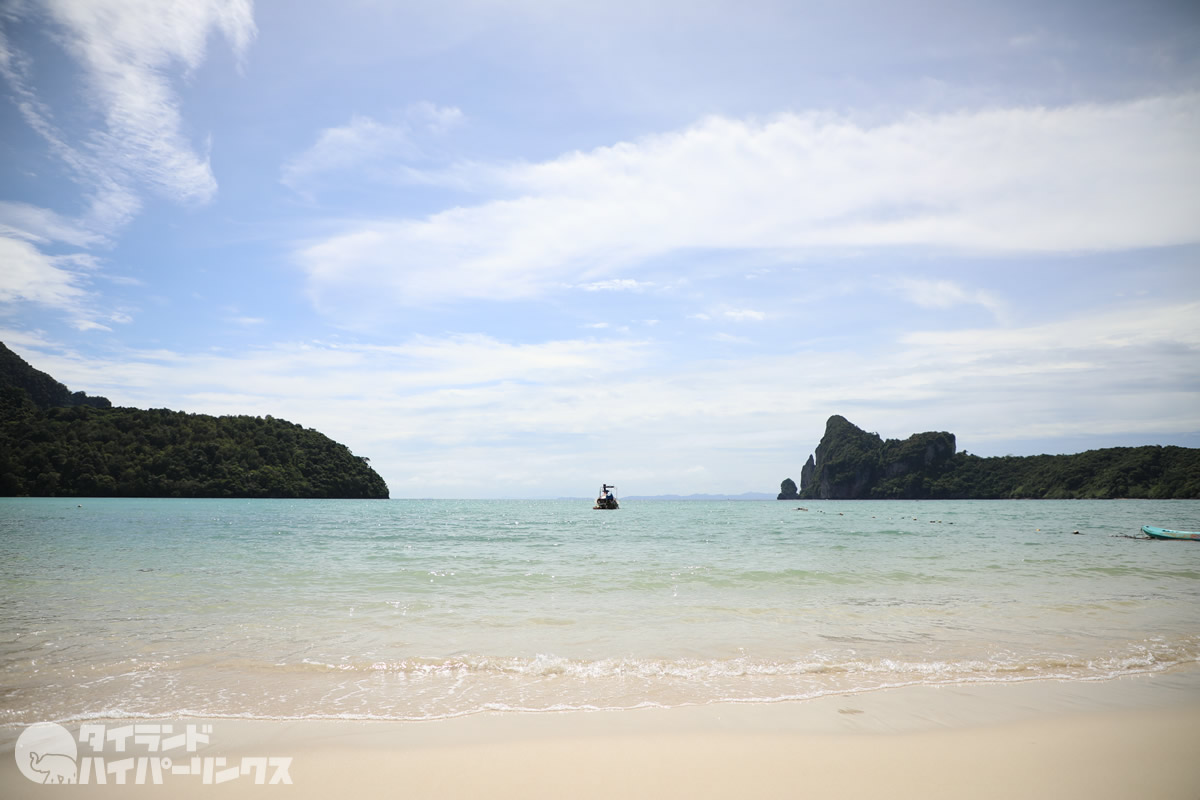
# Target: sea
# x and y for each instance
(429, 609)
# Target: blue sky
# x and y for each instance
(520, 248)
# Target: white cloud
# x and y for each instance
(945, 294)
(124, 280)
(31, 276)
(27, 340)
(617, 285)
(729, 338)
(362, 140)
(41, 225)
(1111, 331)
(127, 50)
(1087, 177)
(744, 315)
(471, 359)
(1040, 39)
(58, 282)
(366, 143)
(111, 204)
(737, 315)
(437, 119)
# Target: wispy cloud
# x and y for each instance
(1113, 331)
(434, 118)
(1088, 177)
(946, 294)
(344, 151)
(43, 226)
(1040, 39)
(30, 275)
(128, 52)
(617, 285)
(110, 202)
(744, 315)
(729, 338)
(59, 282)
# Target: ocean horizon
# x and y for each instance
(429, 609)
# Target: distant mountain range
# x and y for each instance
(640, 497)
(742, 496)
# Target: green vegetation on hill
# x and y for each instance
(1151, 471)
(54, 444)
(850, 464)
(19, 381)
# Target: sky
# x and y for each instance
(517, 249)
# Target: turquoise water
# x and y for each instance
(427, 609)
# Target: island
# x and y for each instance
(851, 464)
(58, 443)
(787, 490)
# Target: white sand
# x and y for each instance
(1129, 738)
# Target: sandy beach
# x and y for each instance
(1132, 737)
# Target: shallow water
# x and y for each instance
(426, 609)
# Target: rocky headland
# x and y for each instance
(851, 464)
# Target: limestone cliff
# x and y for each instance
(808, 473)
(851, 463)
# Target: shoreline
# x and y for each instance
(1124, 737)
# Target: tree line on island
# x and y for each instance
(851, 464)
(57, 443)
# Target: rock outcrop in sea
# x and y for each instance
(787, 490)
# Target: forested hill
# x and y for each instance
(57, 443)
(18, 380)
(851, 463)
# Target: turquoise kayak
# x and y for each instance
(1166, 533)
